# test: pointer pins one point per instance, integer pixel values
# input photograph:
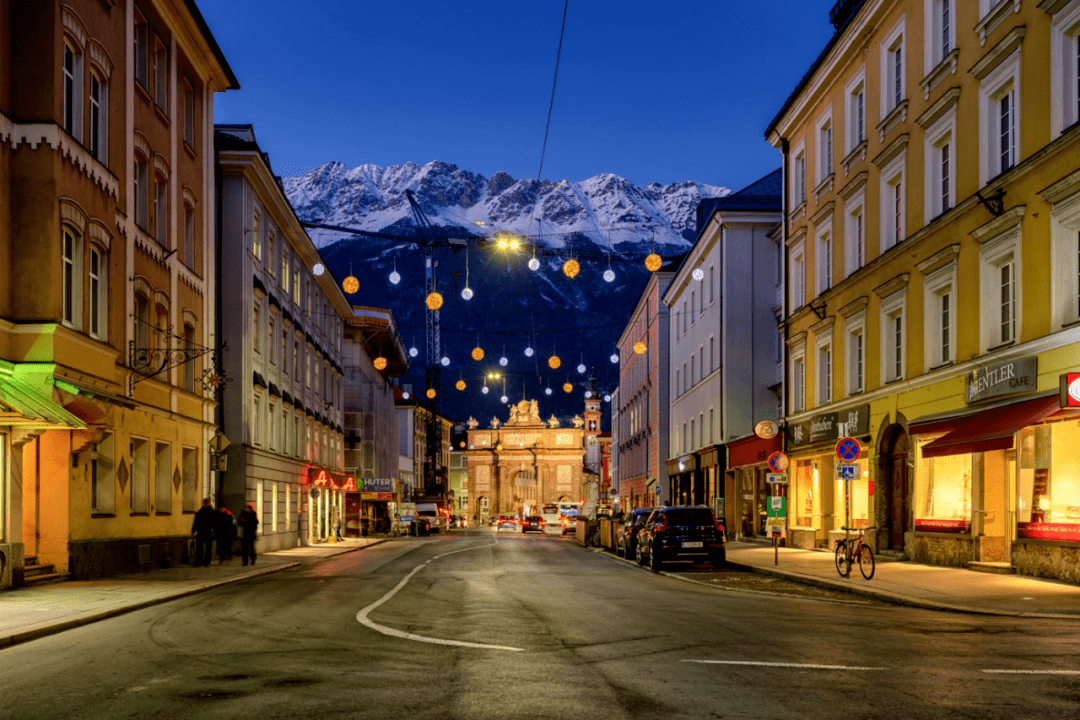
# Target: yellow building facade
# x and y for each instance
(932, 210)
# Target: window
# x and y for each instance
(285, 269)
(189, 115)
(98, 294)
(855, 110)
(711, 284)
(71, 259)
(824, 372)
(893, 183)
(189, 363)
(141, 179)
(999, 109)
(824, 146)
(256, 236)
(1000, 277)
(270, 265)
(892, 69)
(1065, 68)
(256, 423)
(99, 118)
(678, 379)
(72, 89)
(296, 359)
(895, 85)
(824, 256)
(189, 236)
(271, 429)
(940, 165)
(798, 380)
(939, 18)
(161, 77)
(270, 344)
(256, 329)
(684, 314)
(142, 329)
(190, 481)
(142, 50)
(1065, 249)
(296, 287)
(712, 353)
(855, 232)
(799, 178)
(139, 461)
(163, 478)
(693, 370)
(943, 489)
(893, 336)
(161, 211)
(855, 354)
(693, 304)
(940, 316)
(798, 277)
(103, 476)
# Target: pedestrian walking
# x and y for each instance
(249, 522)
(225, 533)
(203, 530)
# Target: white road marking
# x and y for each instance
(363, 619)
(803, 666)
(1032, 672)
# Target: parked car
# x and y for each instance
(627, 531)
(506, 522)
(532, 522)
(569, 523)
(680, 531)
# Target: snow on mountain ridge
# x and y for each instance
(605, 208)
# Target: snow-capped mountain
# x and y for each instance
(605, 222)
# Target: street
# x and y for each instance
(480, 624)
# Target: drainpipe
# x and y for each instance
(785, 148)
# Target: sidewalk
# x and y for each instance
(924, 586)
(31, 612)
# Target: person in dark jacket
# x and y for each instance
(225, 533)
(249, 522)
(203, 530)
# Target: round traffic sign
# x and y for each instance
(848, 449)
(778, 462)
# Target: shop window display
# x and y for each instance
(859, 499)
(1048, 486)
(942, 491)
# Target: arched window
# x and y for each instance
(189, 364)
(99, 117)
(97, 292)
(71, 267)
(72, 88)
(161, 210)
(140, 361)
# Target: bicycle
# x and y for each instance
(852, 550)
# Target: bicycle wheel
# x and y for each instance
(866, 562)
(842, 565)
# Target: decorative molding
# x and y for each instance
(858, 154)
(896, 116)
(72, 213)
(941, 257)
(822, 325)
(999, 52)
(73, 25)
(1052, 6)
(1062, 189)
(799, 211)
(891, 151)
(796, 340)
(854, 307)
(142, 146)
(857, 182)
(189, 196)
(99, 234)
(825, 211)
(823, 187)
(994, 17)
(1006, 221)
(161, 165)
(942, 70)
(797, 236)
(891, 286)
(35, 134)
(99, 57)
(941, 106)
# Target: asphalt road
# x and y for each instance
(500, 625)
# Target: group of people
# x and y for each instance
(220, 526)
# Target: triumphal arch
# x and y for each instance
(517, 466)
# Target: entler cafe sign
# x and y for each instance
(1011, 377)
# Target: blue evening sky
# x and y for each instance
(652, 91)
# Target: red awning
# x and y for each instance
(753, 450)
(988, 430)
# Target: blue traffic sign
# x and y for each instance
(848, 472)
(848, 449)
(778, 462)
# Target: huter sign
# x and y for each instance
(1004, 378)
(824, 427)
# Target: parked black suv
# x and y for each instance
(626, 534)
(681, 531)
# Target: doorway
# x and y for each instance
(894, 465)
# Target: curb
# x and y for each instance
(58, 627)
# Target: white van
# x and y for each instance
(430, 512)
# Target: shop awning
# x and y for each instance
(988, 430)
(26, 402)
(752, 450)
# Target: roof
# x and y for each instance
(841, 16)
(764, 194)
(200, 21)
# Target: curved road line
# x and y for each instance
(363, 619)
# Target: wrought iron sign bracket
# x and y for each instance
(819, 311)
(151, 362)
(994, 203)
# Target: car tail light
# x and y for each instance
(719, 527)
(543, 523)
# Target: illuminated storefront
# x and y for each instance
(326, 507)
(747, 490)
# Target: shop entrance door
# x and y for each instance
(998, 466)
(896, 472)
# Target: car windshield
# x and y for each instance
(689, 516)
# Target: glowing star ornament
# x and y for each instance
(395, 277)
(434, 301)
(653, 262)
(467, 293)
(571, 268)
(380, 363)
(478, 353)
(554, 362)
(534, 264)
(609, 275)
(698, 274)
(350, 285)
(639, 348)
(430, 393)
(460, 385)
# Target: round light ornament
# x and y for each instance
(318, 270)
(430, 393)
(404, 396)
(413, 352)
(534, 264)
(568, 388)
(484, 389)
(445, 361)
(607, 398)
(698, 274)
(478, 353)
(395, 277)
(467, 293)
(380, 363)
(653, 262)
(503, 399)
(554, 362)
(609, 275)
(460, 385)
(614, 357)
(350, 285)
(571, 268)
(588, 394)
(504, 361)
(434, 301)
(639, 348)
(547, 391)
(581, 368)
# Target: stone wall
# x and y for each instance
(941, 550)
(1047, 559)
